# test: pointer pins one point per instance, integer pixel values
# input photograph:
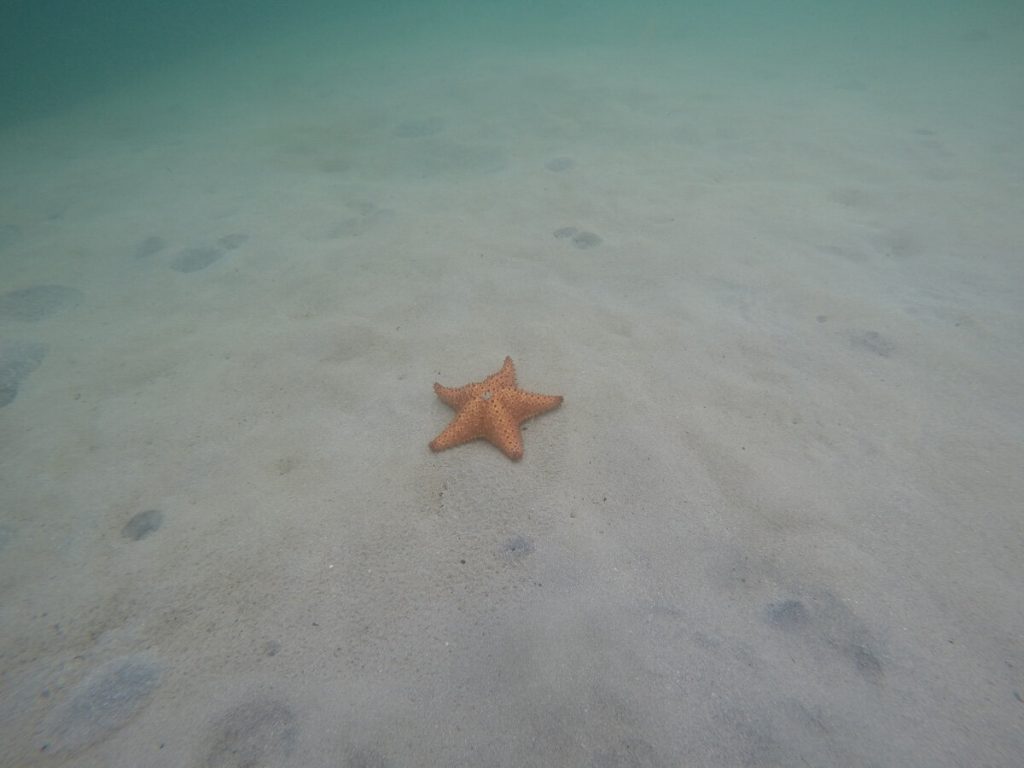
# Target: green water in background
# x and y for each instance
(56, 53)
(768, 250)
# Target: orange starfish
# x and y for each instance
(492, 409)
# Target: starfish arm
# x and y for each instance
(502, 430)
(503, 379)
(455, 397)
(525, 405)
(466, 426)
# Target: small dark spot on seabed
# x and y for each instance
(866, 662)
(195, 259)
(142, 524)
(37, 302)
(579, 239)
(253, 733)
(517, 547)
(17, 360)
(149, 246)
(233, 241)
(560, 164)
(873, 341)
(786, 614)
(271, 648)
(586, 240)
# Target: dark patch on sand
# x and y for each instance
(233, 241)
(865, 661)
(896, 244)
(6, 536)
(586, 240)
(150, 246)
(37, 302)
(101, 704)
(271, 648)
(828, 621)
(442, 157)
(560, 164)
(17, 360)
(873, 341)
(630, 751)
(368, 216)
(581, 239)
(142, 524)
(195, 259)
(365, 758)
(517, 547)
(256, 733)
(786, 614)
(847, 252)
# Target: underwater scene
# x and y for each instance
(512, 384)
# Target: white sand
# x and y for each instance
(776, 522)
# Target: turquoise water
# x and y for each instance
(57, 53)
(769, 253)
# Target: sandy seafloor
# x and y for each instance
(777, 521)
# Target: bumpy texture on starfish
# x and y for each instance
(492, 409)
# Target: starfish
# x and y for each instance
(492, 409)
